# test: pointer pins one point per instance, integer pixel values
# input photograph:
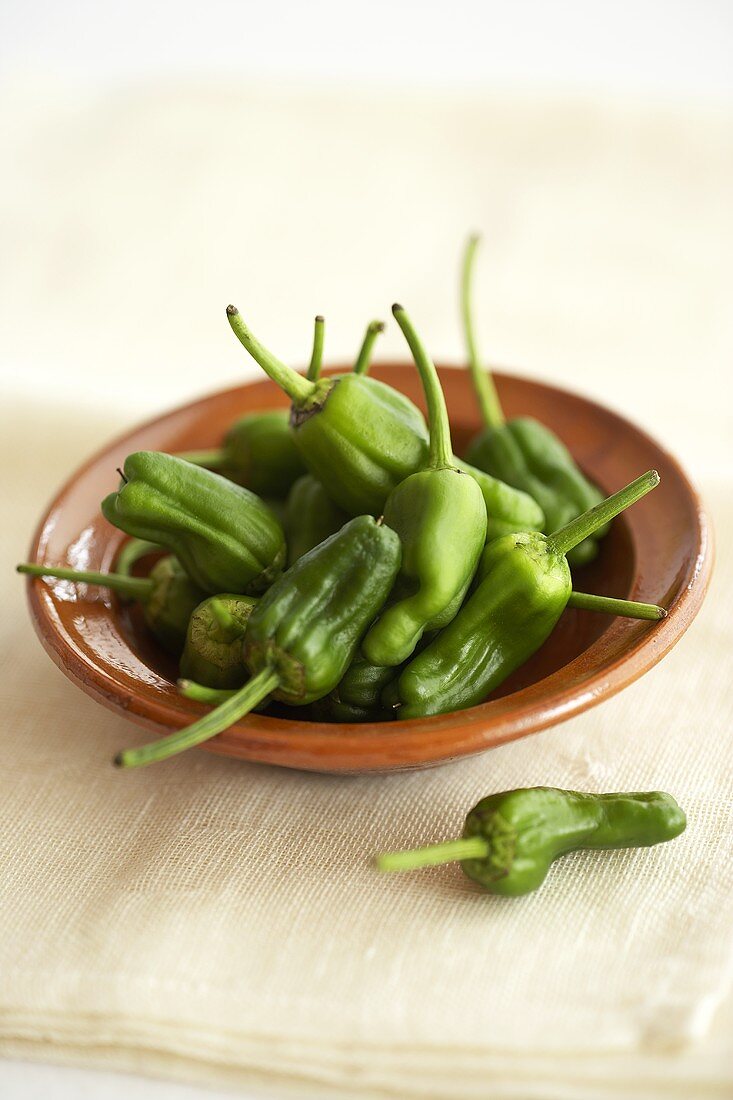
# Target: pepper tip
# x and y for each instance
(119, 760)
(397, 308)
(232, 311)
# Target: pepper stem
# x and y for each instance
(582, 526)
(212, 460)
(224, 618)
(314, 367)
(441, 448)
(469, 847)
(298, 388)
(189, 689)
(137, 588)
(225, 715)
(131, 552)
(363, 359)
(627, 609)
(483, 382)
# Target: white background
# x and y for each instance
(660, 50)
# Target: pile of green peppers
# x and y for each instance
(337, 557)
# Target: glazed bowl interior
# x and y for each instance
(658, 552)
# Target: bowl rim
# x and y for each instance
(421, 741)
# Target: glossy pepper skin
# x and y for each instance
(258, 452)
(212, 655)
(511, 839)
(310, 517)
(440, 516)
(357, 436)
(168, 596)
(304, 632)
(525, 587)
(522, 452)
(224, 536)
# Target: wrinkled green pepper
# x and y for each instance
(304, 632)
(525, 588)
(168, 596)
(440, 516)
(212, 655)
(362, 684)
(224, 536)
(358, 436)
(310, 517)
(523, 452)
(511, 839)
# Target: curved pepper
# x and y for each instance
(358, 436)
(511, 839)
(225, 537)
(525, 588)
(304, 631)
(523, 452)
(212, 655)
(440, 516)
(310, 517)
(168, 596)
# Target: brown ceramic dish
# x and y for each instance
(660, 551)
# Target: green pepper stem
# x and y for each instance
(314, 367)
(364, 358)
(441, 448)
(212, 460)
(298, 388)
(137, 588)
(131, 552)
(582, 526)
(202, 694)
(627, 609)
(224, 618)
(470, 847)
(483, 382)
(225, 715)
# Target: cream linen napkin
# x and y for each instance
(222, 922)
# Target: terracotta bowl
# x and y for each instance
(660, 551)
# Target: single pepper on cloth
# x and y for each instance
(168, 596)
(310, 517)
(224, 536)
(524, 589)
(358, 436)
(304, 631)
(440, 515)
(511, 839)
(523, 452)
(212, 655)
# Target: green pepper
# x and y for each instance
(310, 517)
(304, 631)
(212, 655)
(358, 436)
(508, 510)
(523, 452)
(362, 684)
(440, 516)
(511, 839)
(258, 452)
(168, 596)
(525, 588)
(225, 537)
